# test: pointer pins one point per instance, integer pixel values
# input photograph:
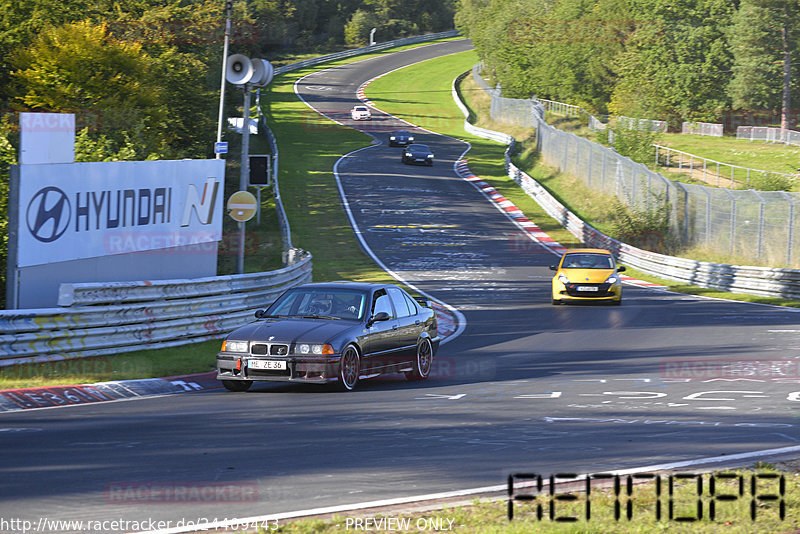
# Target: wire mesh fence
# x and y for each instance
(702, 128)
(717, 173)
(769, 135)
(760, 225)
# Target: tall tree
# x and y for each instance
(764, 36)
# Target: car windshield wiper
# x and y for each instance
(318, 317)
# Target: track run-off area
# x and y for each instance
(524, 387)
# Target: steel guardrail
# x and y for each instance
(764, 281)
(114, 317)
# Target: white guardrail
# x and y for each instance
(115, 317)
(765, 281)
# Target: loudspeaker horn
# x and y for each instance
(239, 70)
(263, 72)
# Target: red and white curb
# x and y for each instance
(56, 396)
(509, 208)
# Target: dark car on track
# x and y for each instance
(417, 154)
(332, 332)
(400, 138)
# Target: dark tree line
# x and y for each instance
(667, 59)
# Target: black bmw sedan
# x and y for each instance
(332, 332)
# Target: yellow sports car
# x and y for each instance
(588, 274)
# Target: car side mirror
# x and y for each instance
(380, 316)
(554, 267)
(621, 268)
(259, 314)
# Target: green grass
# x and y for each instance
(774, 157)
(194, 358)
(489, 517)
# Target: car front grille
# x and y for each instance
(262, 349)
(602, 291)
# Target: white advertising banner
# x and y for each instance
(88, 210)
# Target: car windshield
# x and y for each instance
(332, 303)
(360, 108)
(588, 261)
(419, 148)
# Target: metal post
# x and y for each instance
(733, 219)
(245, 171)
(708, 214)
(761, 215)
(790, 237)
(228, 8)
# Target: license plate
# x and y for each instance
(419, 159)
(272, 365)
(587, 288)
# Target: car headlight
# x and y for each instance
(234, 346)
(307, 348)
(563, 278)
(612, 279)
(408, 154)
(430, 156)
(392, 138)
(410, 139)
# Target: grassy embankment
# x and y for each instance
(590, 206)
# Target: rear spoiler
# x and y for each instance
(423, 301)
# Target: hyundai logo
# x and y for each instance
(48, 214)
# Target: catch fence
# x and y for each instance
(762, 225)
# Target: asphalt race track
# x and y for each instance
(526, 387)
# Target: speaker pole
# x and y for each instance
(228, 8)
(245, 170)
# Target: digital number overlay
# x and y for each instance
(684, 497)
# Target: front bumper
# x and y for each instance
(418, 161)
(596, 292)
(233, 366)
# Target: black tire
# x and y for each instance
(617, 302)
(556, 302)
(423, 361)
(349, 368)
(237, 385)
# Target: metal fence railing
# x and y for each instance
(114, 317)
(760, 225)
(702, 128)
(715, 172)
(769, 135)
(783, 283)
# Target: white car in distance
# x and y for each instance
(360, 113)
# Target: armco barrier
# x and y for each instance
(116, 317)
(765, 281)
